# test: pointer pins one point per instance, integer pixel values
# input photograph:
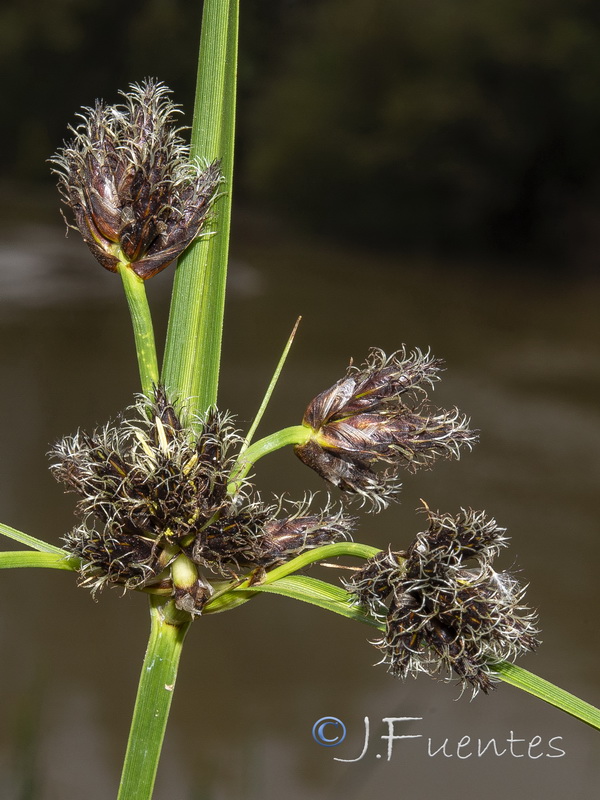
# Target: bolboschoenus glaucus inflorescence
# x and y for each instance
(157, 503)
(380, 412)
(446, 610)
(134, 194)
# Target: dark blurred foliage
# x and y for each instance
(464, 124)
(446, 125)
(58, 55)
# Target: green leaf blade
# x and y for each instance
(32, 558)
(318, 593)
(548, 692)
(193, 346)
(30, 541)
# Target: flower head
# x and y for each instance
(445, 608)
(379, 412)
(254, 536)
(127, 177)
(154, 493)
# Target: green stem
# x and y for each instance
(194, 335)
(232, 596)
(295, 434)
(143, 331)
(355, 549)
(155, 692)
(190, 367)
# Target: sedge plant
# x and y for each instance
(166, 504)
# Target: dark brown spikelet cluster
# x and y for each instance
(253, 537)
(379, 412)
(134, 194)
(151, 490)
(445, 608)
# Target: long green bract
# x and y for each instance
(232, 596)
(336, 599)
(270, 389)
(30, 541)
(33, 558)
(194, 334)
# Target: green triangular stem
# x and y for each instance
(155, 692)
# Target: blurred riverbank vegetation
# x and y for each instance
(445, 126)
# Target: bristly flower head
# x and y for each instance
(152, 491)
(445, 608)
(380, 412)
(127, 177)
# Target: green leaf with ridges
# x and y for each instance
(31, 541)
(538, 687)
(318, 593)
(194, 335)
(32, 558)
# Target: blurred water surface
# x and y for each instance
(523, 360)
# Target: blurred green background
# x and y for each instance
(417, 172)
